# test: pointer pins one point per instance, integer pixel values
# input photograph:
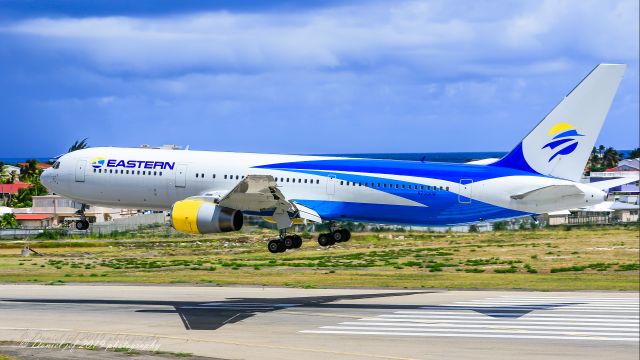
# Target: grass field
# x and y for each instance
(605, 258)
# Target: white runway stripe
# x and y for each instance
(484, 331)
(509, 336)
(497, 321)
(527, 317)
(515, 309)
(510, 326)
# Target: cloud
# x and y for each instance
(360, 77)
(414, 34)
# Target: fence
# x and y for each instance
(122, 224)
(128, 223)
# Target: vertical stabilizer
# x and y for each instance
(561, 143)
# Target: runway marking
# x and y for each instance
(539, 317)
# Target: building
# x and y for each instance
(34, 220)
(10, 169)
(8, 190)
(62, 211)
(625, 168)
(39, 165)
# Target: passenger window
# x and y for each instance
(317, 181)
(160, 173)
(196, 175)
(341, 183)
(421, 187)
(447, 188)
(154, 173)
(225, 177)
(287, 179)
(396, 186)
(299, 181)
(94, 170)
(214, 175)
(441, 188)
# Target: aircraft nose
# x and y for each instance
(45, 178)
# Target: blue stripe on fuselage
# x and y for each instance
(441, 207)
(440, 213)
(442, 171)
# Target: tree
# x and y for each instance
(79, 145)
(8, 221)
(634, 154)
(610, 158)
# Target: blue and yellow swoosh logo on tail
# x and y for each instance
(97, 162)
(564, 136)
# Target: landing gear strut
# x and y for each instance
(83, 223)
(284, 242)
(335, 236)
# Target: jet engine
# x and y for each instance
(202, 217)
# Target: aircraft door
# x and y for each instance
(80, 169)
(181, 175)
(331, 185)
(465, 191)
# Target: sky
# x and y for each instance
(310, 77)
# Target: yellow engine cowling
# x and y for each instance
(202, 217)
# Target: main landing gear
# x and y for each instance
(335, 236)
(284, 242)
(83, 223)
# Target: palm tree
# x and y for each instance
(634, 154)
(79, 145)
(610, 158)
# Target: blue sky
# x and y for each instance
(304, 77)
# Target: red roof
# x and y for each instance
(40, 165)
(13, 188)
(33, 216)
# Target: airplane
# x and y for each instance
(210, 192)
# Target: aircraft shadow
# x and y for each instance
(216, 314)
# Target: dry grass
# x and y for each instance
(598, 258)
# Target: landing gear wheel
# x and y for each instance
(346, 234)
(276, 246)
(325, 240)
(297, 241)
(338, 236)
(289, 241)
(82, 224)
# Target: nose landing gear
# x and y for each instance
(83, 223)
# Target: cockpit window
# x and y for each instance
(56, 164)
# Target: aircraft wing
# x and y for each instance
(259, 193)
(549, 193)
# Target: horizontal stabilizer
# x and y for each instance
(483, 161)
(608, 184)
(548, 193)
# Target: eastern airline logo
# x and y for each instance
(97, 162)
(565, 139)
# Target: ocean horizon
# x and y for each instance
(450, 157)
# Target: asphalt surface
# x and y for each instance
(285, 323)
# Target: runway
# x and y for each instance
(287, 323)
